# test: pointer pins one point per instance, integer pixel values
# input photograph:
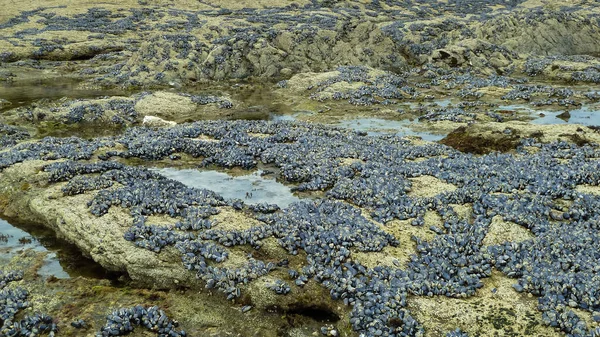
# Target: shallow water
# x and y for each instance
(585, 115)
(23, 94)
(443, 103)
(264, 190)
(372, 126)
(289, 117)
(378, 126)
(63, 260)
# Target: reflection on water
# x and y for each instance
(372, 126)
(23, 94)
(263, 190)
(585, 115)
(63, 260)
(443, 103)
(259, 105)
(289, 117)
(517, 108)
(14, 240)
(378, 126)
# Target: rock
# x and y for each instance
(179, 107)
(165, 105)
(154, 121)
(545, 31)
(100, 238)
(565, 116)
(286, 72)
(6, 76)
(487, 137)
(453, 57)
(497, 60)
(239, 43)
(4, 103)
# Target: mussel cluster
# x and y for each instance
(12, 301)
(124, 321)
(536, 189)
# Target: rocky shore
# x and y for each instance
(442, 155)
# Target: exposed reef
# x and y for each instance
(315, 240)
(436, 164)
(133, 44)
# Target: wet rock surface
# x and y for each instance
(132, 44)
(116, 112)
(170, 226)
(335, 168)
(83, 306)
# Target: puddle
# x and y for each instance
(24, 94)
(63, 260)
(377, 126)
(442, 103)
(585, 115)
(372, 126)
(292, 117)
(550, 117)
(283, 118)
(263, 190)
(517, 108)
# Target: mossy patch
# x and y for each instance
(576, 139)
(478, 143)
(201, 313)
(537, 135)
(82, 130)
